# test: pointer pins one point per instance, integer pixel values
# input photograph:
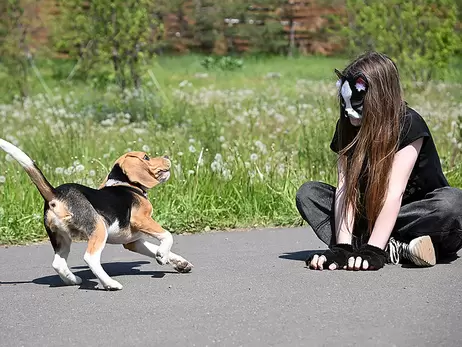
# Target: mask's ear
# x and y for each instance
(137, 171)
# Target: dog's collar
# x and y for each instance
(112, 182)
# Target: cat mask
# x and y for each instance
(352, 92)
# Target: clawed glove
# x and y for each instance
(375, 256)
(336, 254)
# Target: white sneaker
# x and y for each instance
(419, 251)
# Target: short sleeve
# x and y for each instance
(414, 128)
(334, 142)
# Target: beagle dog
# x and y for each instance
(119, 212)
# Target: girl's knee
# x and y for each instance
(451, 204)
(306, 191)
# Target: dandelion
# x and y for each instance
(227, 174)
(215, 166)
(221, 139)
(59, 171)
(191, 172)
(281, 169)
(2, 179)
(108, 122)
(192, 149)
(180, 154)
(90, 182)
(253, 157)
(261, 146)
(79, 168)
(91, 173)
(146, 148)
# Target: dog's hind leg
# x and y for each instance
(96, 243)
(62, 246)
(150, 250)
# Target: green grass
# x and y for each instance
(241, 143)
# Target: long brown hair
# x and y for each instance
(366, 153)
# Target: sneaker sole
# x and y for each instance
(422, 251)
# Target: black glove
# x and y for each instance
(375, 256)
(336, 254)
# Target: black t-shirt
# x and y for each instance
(427, 174)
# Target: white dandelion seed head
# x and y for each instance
(59, 170)
(91, 173)
(215, 166)
(253, 157)
(2, 179)
(218, 157)
(146, 148)
(192, 149)
(79, 168)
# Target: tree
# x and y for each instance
(420, 35)
(15, 38)
(123, 32)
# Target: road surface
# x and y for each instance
(248, 288)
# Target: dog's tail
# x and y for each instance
(45, 188)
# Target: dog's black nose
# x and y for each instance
(166, 157)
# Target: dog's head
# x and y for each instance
(142, 170)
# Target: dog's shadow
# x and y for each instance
(89, 281)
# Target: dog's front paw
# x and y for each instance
(183, 266)
(112, 285)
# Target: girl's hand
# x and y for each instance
(357, 263)
(334, 258)
(367, 257)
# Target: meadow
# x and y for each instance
(241, 142)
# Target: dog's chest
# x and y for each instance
(119, 235)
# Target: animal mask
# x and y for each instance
(352, 92)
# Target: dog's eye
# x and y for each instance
(146, 157)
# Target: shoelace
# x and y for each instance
(397, 249)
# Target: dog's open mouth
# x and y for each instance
(163, 175)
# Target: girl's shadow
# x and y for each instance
(300, 255)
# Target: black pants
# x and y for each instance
(438, 215)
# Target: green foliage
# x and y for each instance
(15, 29)
(241, 144)
(222, 63)
(117, 31)
(419, 35)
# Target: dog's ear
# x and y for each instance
(137, 170)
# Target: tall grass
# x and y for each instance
(241, 142)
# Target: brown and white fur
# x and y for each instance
(116, 213)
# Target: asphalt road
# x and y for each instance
(247, 289)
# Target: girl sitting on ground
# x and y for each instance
(392, 203)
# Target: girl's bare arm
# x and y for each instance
(343, 226)
(403, 164)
